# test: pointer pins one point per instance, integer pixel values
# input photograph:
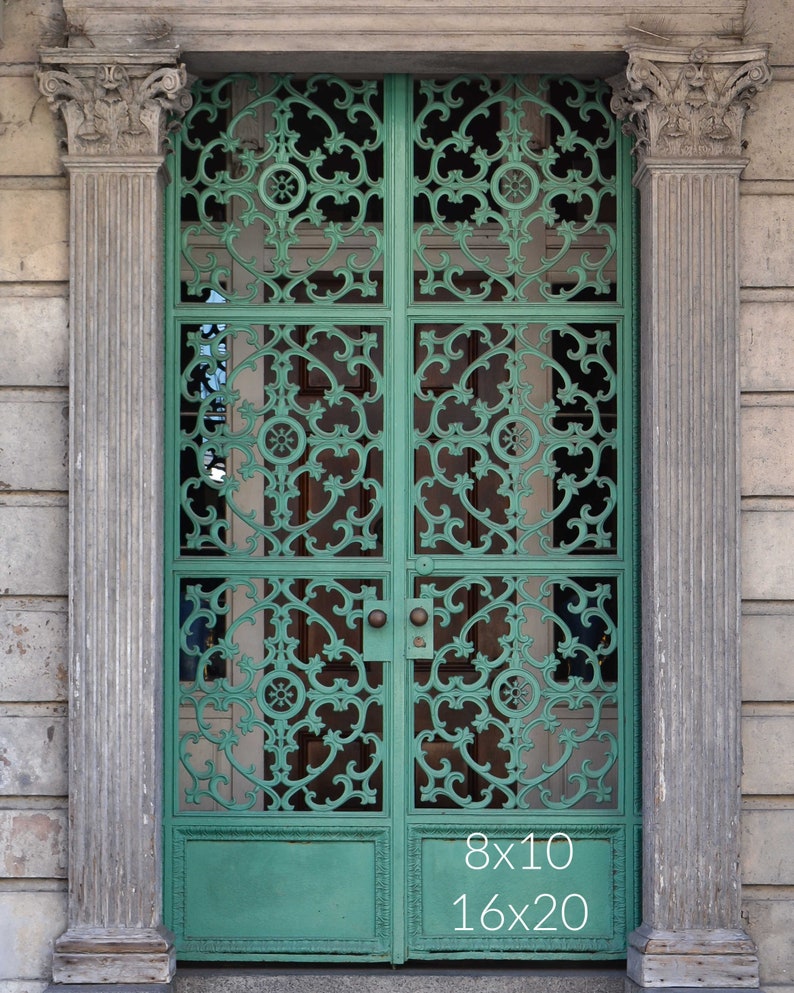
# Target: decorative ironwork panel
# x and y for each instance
(401, 564)
(283, 712)
(520, 706)
(282, 190)
(515, 189)
(516, 438)
(282, 439)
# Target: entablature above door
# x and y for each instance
(415, 35)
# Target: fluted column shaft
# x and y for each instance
(114, 110)
(686, 111)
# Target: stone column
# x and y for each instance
(115, 108)
(685, 110)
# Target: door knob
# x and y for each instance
(419, 617)
(376, 618)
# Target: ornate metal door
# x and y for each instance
(401, 684)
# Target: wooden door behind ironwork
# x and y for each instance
(401, 668)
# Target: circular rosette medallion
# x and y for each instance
(515, 186)
(515, 693)
(281, 440)
(280, 695)
(515, 438)
(282, 186)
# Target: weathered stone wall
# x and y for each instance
(33, 485)
(767, 382)
(34, 377)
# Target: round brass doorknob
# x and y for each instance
(377, 618)
(419, 616)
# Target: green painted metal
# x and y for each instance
(402, 667)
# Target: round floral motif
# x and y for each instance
(515, 693)
(282, 186)
(281, 440)
(515, 186)
(280, 695)
(515, 438)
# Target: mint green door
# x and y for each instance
(401, 667)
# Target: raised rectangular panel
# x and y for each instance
(35, 447)
(769, 924)
(33, 844)
(767, 852)
(29, 145)
(31, 921)
(35, 550)
(767, 672)
(765, 257)
(763, 738)
(35, 242)
(34, 647)
(33, 756)
(770, 135)
(768, 555)
(767, 451)
(766, 346)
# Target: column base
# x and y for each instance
(718, 959)
(114, 955)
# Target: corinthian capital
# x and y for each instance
(688, 104)
(113, 103)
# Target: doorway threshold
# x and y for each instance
(463, 978)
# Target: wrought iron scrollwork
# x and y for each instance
(293, 467)
(285, 201)
(516, 437)
(297, 722)
(519, 707)
(515, 196)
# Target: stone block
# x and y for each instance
(767, 851)
(768, 744)
(765, 252)
(33, 844)
(768, 555)
(766, 346)
(769, 133)
(30, 24)
(23, 985)
(33, 756)
(35, 551)
(28, 139)
(34, 652)
(767, 672)
(767, 451)
(770, 20)
(769, 925)
(35, 243)
(35, 334)
(31, 922)
(34, 445)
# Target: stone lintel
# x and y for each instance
(114, 955)
(716, 959)
(423, 35)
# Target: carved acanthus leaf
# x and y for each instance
(114, 107)
(688, 104)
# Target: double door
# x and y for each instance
(402, 672)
